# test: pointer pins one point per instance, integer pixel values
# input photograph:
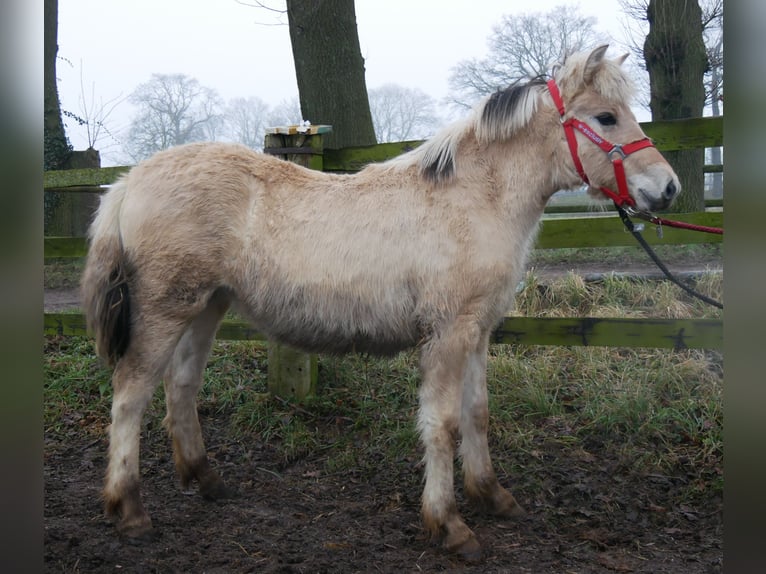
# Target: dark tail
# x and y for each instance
(106, 280)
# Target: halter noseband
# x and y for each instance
(615, 152)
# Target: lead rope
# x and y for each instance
(637, 234)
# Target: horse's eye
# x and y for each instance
(606, 119)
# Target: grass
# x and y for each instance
(616, 296)
(77, 392)
(656, 408)
(63, 273)
(670, 254)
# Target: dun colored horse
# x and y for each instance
(423, 250)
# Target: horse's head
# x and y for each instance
(607, 147)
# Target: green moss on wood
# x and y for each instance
(692, 133)
(555, 234)
(355, 158)
(65, 247)
(582, 331)
(607, 332)
(55, 180)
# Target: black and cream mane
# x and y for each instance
(497, 118)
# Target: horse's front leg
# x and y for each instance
(480, 482)
(443, 363)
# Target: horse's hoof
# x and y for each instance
(137, 530)
(145, 537)
(464, 544)
(504, 505)
(469, 551)
(514, 511)
(217, 490)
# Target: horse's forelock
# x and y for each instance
(613, 83)
(610, 80)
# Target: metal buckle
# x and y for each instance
(640, 214)
(616, 149)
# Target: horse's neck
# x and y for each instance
(521, 178)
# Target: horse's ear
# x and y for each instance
(594, 63)
(621, 59)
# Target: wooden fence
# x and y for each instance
(563, 227)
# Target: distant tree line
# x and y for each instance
(173, 109)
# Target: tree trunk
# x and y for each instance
(56, 147)
(330, 70)
(676, 60)
(716, 157)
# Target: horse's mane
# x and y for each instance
(497, 117)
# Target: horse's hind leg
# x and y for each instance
(183, 379)
(480, 481)
(134, 380)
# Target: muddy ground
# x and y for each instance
(587, 513)
(591, 515)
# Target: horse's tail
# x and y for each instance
(106, 279)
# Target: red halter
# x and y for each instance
(615, 152)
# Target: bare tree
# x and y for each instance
(173, 109)
(245, 121)
(522, 47)
(93, 115)
(286, 113)
(400, 113)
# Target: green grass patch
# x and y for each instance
(364, 410)
(63, 273)
(617, 296)
(77, 389)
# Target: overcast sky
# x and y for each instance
(241, 51)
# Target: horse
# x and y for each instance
(420, 251)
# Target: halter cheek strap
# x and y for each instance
(615, 152)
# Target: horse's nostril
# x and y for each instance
(671, 190)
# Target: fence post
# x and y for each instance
(292, 373)
(71, 213)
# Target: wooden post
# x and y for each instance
(74, 210)
(291, 373)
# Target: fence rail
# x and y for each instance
(594, 231)
(567, 331)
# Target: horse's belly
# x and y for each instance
(336, 322)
